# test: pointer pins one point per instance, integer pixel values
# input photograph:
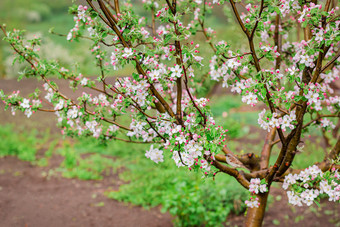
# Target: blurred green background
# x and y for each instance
(37, 17)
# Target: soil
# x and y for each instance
(29, 198)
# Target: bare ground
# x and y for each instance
(27, 198)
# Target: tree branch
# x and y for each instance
(238, 175)
(330, 62)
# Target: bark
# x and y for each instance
(267, 148)
(254, 217)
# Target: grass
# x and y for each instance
(224, 110)
(311, 153)
(23, 145)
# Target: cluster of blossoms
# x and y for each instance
(225, 70)
(253, 202)
(80, 19)
(308, 12)
(25, 105)
(287, 5)
(326, 123)
(154, 154)
(256, 186)
(83, 80)
(310, 183)
(276, 121)
(316, 93)
(151, 4)
(188, 149)
(138, 130)
(239, 86)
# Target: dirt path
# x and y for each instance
(28, 199)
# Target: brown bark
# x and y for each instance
(267, 147)
(336, 129)
(334, 153)
(249, 160)
(254, 217)
(238, 175)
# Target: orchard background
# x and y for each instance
(118, 170)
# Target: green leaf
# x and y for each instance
(135, 76)
(317, 203)
(302, 67)
(276, 222)
(167, 38)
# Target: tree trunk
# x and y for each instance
(255, 216)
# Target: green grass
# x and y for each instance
(26, 144)
(225, 104)
(236, 122)
(311, 153)
(23, 145)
